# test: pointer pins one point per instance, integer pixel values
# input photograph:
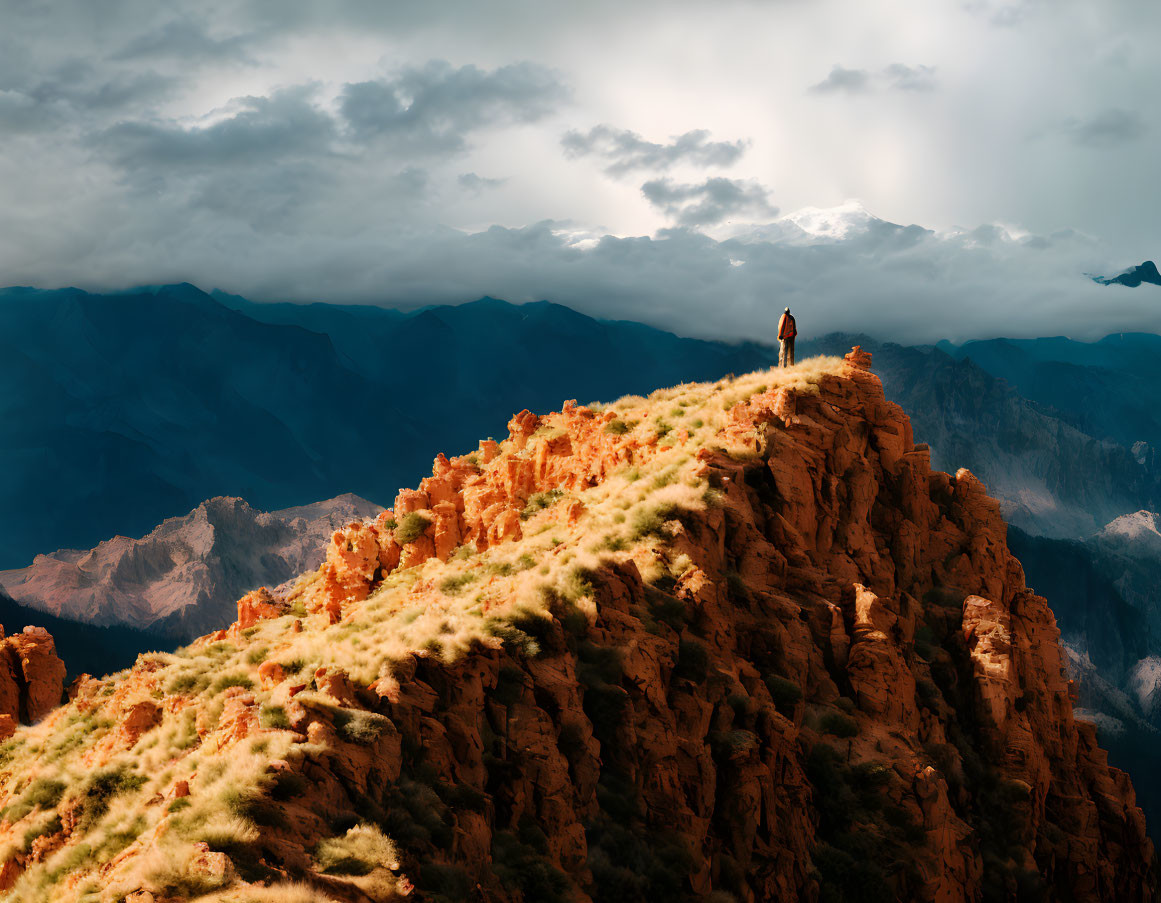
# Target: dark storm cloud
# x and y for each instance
(188, 40)
(434, 107)
(69, 91)
(840, 80)
(88, 91)
(713, 201)
(258, 130)
(1106, 129)
(21, 114)
(626, 151)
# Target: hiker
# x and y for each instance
(786, 333)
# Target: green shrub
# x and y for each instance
(257, 656)
(612, 542)
(43, 792)
(785, 693)
(515, 641)
(45, 828)
(839, 725)
(726, 744)
(254, 807)
(617, 427)
(102, 787)
(462, 796)
(232, 680)
(667, 609)
(187, 684)
(455, 584)
(599, 671)
(448, 881)
(411, 528)
(634, 864)
(273, 717)
(737, 585)
(358, 726)
(521, 862)
(360, 851)
(540, 501)
(178, 804)
(649, 521)
(692, 661)
(509, 686)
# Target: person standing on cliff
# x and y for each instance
(786, 333)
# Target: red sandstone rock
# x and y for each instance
(138, 719)
(31, 675)
(257, 605)
(270, 673)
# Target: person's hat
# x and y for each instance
(788, 310)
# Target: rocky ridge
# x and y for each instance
(735, 638)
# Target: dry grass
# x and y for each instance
(436, 609)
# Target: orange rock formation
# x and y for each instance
(848, 688)
(31, 678)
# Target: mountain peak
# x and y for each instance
(838, 222)
(1134, 276)
(669, 640)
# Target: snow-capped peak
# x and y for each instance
(832, 222)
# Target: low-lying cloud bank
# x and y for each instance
(901, 283)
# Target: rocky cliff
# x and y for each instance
(31, 678)
(734, 640)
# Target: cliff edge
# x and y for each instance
(733, 641)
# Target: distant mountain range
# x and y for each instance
(183, 578)
(122, 410)
(1134, 276)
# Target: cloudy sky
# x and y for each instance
(696, 165)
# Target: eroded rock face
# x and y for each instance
(31, 675)
(846, 689)
(846, 546)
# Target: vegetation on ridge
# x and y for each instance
(81, 763)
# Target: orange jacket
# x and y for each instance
(786, 328)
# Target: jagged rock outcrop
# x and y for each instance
(31, 678)
(734, 639)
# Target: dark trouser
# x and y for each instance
(786, 353)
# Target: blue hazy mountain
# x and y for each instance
(120, 410)
(1107, 389)
(1134, 276)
